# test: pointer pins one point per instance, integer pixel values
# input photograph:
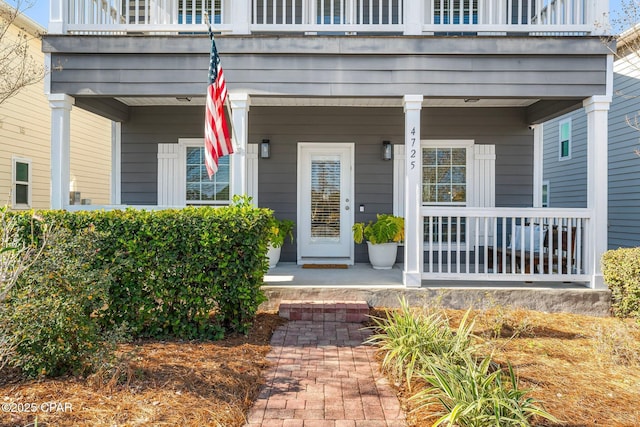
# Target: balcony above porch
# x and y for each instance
(350, 17)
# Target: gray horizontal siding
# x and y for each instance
(348, 45)
(146, 128)
(368, 127)
(337, 66)
(624, 164)
(568, 179)
(285, 127)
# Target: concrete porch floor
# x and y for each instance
(383, 288)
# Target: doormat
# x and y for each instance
(326, 266)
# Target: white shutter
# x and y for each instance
(483, 185)
(398, 180)
(252, 172)
(168, 175)
(483, 191)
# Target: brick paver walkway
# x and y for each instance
(322, 375)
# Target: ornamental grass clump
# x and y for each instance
(451, 385)
(476, 394)
(412, 340)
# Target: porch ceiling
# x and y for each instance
(268, 101)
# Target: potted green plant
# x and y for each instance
(279, 231)
(382, 238)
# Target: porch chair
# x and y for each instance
(560, 262)
(519, 239)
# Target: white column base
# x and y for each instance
(411, 279)
(597, 282)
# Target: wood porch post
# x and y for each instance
(597, 108)
(60, 104)
(413, 240)
(240, 120)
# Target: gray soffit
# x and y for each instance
(267, 101)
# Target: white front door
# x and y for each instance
(325, 202)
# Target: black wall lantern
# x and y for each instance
(265, 149)
(387, 150)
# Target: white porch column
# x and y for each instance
(413, 18)
(57, 13)
(240, 121)
(598, 16)
(538, 171)
(116, 159)
(597, 108)
(240, 16)
(413, 240)
(60, 104)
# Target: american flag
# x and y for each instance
(217, 141)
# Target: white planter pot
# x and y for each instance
(383, 255)
(274, 256)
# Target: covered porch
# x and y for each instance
(471, 240)
(478, 101)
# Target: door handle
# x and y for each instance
(346, 208)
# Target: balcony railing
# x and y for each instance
(533, 244)
(413, 17)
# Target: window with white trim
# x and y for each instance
(564, 139)
(21, 183)
(445, 174)
(545, 194)
(477, 189)
(200, 189)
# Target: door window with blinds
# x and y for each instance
(325, 186)
(325, 198)
(200, 190)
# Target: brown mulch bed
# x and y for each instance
(159, 384)
(585, 370)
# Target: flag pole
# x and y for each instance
(234, 142)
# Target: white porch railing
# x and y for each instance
(531, 244)
(491, 17)
(531, 17)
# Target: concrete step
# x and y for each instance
(324, 311)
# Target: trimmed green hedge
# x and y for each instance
(185, 273)
(621, 269)
(53, 313)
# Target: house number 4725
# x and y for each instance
(413, 150)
